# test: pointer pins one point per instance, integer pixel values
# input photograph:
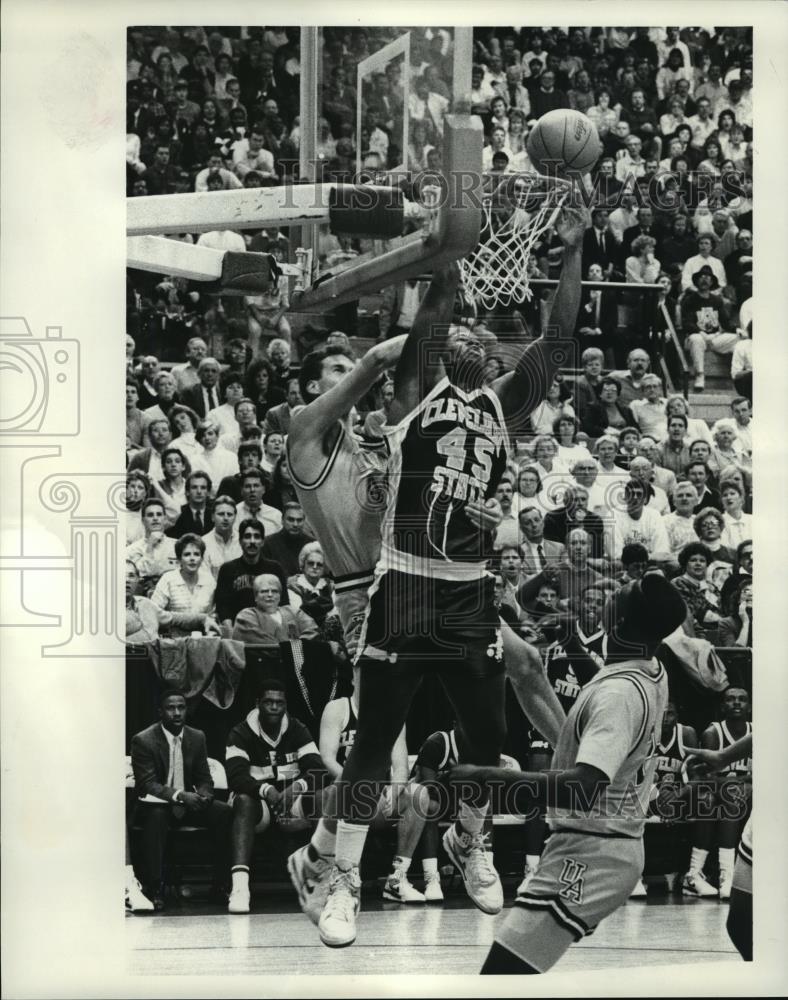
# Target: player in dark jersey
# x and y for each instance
(739, 923)
(431, 603)
(732, 800)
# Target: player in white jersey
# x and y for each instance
(597, 790)
(739, 925)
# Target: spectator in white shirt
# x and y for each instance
(231, 390)
(703, 258)
(154, 554)
(427, 105)
(189, 590)
(742, 414)
(221, 544)
(630, 163)
(497, 145)
(211, 457)
(482, 92)
(623, 217)
(649, 412)
(508, 532)
(680, 524)
(251, 154)
(738, 525)
(638, 523)
(642, 470)
(254, 484)
(216, 168)
(273, 447)
(701, 123)
(642, 267)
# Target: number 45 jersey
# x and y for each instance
(450, 450)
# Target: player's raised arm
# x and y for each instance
(419, 366)
(522, 389)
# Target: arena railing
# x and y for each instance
(674, 359)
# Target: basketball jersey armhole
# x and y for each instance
(332, 456)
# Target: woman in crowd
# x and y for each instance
(711, 160)
(551, 469)
(605, 451)
(709, 527)
(670, 121)
(231, 387)
(694, 560)
(528, 491)
(259, 389)
(565, 430)
(171, 490)
(608, 416)
(642, 267)
(312, 585)
(138, 489)
(725, 454)
(183, 424)
(725, 122)
(602, 114)
(736, 477)
(556, 405)
(187, 593)
(218, 462)
(166, 75)
(267, 623)
(736, 628)
(738, 525)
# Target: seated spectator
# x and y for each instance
(204, 396)
(234, 590)
(528, 490)
(741, 365)
(187, 593)
(643, 471)
(631, 380)
(285, 546)
(705, 319)
(674, 453)
(154, 553)
(703, 258)
(736, 476)
(702, 614)
(507, 532)
(679, 245)
(628, 442)
(267, 623)
(273, 448)
(680, 523)
(246, 420)
(135, 422)
(608, 473)
(574, 513)
(149, 369)
(276, 775)
(231, 389)
(250, 454)
(186, 374)
(266, 313)
(143, 618)
(183, 424)
(221, 543)
(698, 473)
(742, 571)
(636, 522)
(148, 460)
(171, 488)
(216, 171)
(709, 527)
(585, 472)
(609, 415)
(649, 412)
(278, 417)
(736, 628)
(697, 429)
(588, 385)
(729, 803)
(738, 525)
(550, 468)
(648, 448)
(216, 461)
(251, 154)
(173, 785)
(138, 489)
(536, 551)
(260, 388)
(565, 429)
(726, 454)
(742, 414)
(195, 515)
(572, 576)
(602, 114)
(254, 485)
(312, 584)
(555, 405)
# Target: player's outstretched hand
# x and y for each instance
(487, 515)
(701, 762)
(572, 221)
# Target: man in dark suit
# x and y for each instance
(645, 227)
(204, 396)
(277, 420)
(599, 244)
(173, 784)
(575, 514)
(196, 516)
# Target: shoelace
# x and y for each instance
(341, 900)
(479, 863)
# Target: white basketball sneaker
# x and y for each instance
(310, 881)
(474, 863)
(399, 890)
(136, 900)
(433, 893)
(337, 924)
(640, 891)
(694, 884)
(239, 900)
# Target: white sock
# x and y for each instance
(471, 818)
(532, 860)
(323, 840)
(727, 860)
(400, 864)
(349, 844)
(697, 860)
(430, 867)
(240, 876)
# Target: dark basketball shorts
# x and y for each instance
(435, 625)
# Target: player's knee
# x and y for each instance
(420, 799)
(245, 808)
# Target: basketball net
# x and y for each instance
(515, 215)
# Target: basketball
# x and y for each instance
(565, 138)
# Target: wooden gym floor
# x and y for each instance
(452, 938)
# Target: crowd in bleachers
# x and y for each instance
(619, 473)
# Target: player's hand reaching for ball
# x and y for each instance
(486, 516)
(701, 762)
(572, 221)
